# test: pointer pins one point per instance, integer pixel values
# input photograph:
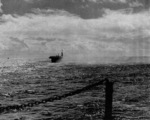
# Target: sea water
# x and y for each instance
(24, 81)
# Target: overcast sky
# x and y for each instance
(84, 29)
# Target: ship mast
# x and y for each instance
(62, 53)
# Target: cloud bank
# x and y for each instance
(47, 32)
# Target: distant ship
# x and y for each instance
(56, 58)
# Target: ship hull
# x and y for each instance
(55, 59)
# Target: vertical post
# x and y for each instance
(108, 100)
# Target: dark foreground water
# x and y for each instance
(38, 80)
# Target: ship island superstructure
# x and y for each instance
(56, 58)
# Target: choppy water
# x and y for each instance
(33, 81)
(24, 82)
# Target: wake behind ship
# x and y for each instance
(56, 58)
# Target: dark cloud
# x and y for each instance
(15, 7)
(83, 8)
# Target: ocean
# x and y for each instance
(24, 81)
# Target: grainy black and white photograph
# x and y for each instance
(74, 59)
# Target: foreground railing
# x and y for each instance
(108, 99)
